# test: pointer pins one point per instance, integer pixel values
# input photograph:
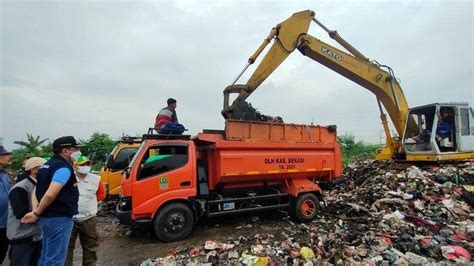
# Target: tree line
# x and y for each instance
(96, 148)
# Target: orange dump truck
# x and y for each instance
(251, 166)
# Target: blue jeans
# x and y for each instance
(172, 129)
(56, 234)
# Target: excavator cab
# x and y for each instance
(440, 131)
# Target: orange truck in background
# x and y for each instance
(174, 180)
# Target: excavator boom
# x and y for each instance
(292, 34)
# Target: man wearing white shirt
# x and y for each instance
(91, 190)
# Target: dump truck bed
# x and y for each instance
(280, 132)
(253, 153)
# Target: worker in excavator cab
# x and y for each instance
(166, 121)
(443, 130)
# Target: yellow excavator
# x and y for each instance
(434, 132)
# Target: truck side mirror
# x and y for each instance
(126, 172)
(110, 163)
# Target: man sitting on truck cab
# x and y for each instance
(167, 121)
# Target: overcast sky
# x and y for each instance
(77, 67)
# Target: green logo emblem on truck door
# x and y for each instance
(164, 183)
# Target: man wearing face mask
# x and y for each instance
(25, 239)
(91, 189)
(57, 196)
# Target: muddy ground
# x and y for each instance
(120, 246)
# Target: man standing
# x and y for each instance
(167, 120)
(91, 189)
(57, 195)
(5, 186)
(25, 239)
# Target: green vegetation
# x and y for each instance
(353, 150)
(33, 146)
(97, 147)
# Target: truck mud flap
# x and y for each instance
(123, 211)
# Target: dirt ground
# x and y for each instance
(120, 246)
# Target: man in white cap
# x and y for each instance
(25, 239)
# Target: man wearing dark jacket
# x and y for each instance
(25, 239)
(58, 196)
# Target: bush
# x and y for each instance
(355, 150)
(97, 147)
(33, 146)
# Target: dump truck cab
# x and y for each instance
(118, 159)
(162, 171)
(440, 131)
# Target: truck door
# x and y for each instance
(166, 172)
(466, 131)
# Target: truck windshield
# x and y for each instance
(162, 158)
(124, 157)
(137, 154)
(418, 135)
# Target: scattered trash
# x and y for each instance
(306, 253)
(233, 255)
(415, 259)
(249, 259)
(456, 253)
(210, 245)
(379, 213)
(128, 232)
(147, 262)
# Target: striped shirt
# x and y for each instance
(166, 115)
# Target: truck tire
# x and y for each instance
(174, 222)
(304, 208)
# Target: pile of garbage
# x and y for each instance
(380, 213)
(245, 111)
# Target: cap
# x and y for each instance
(34, 162)
(3, 151)
(82, 160)
(64, 142)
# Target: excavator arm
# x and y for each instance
(291, 35)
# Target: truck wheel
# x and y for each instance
(174, 222)
(304, 208)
